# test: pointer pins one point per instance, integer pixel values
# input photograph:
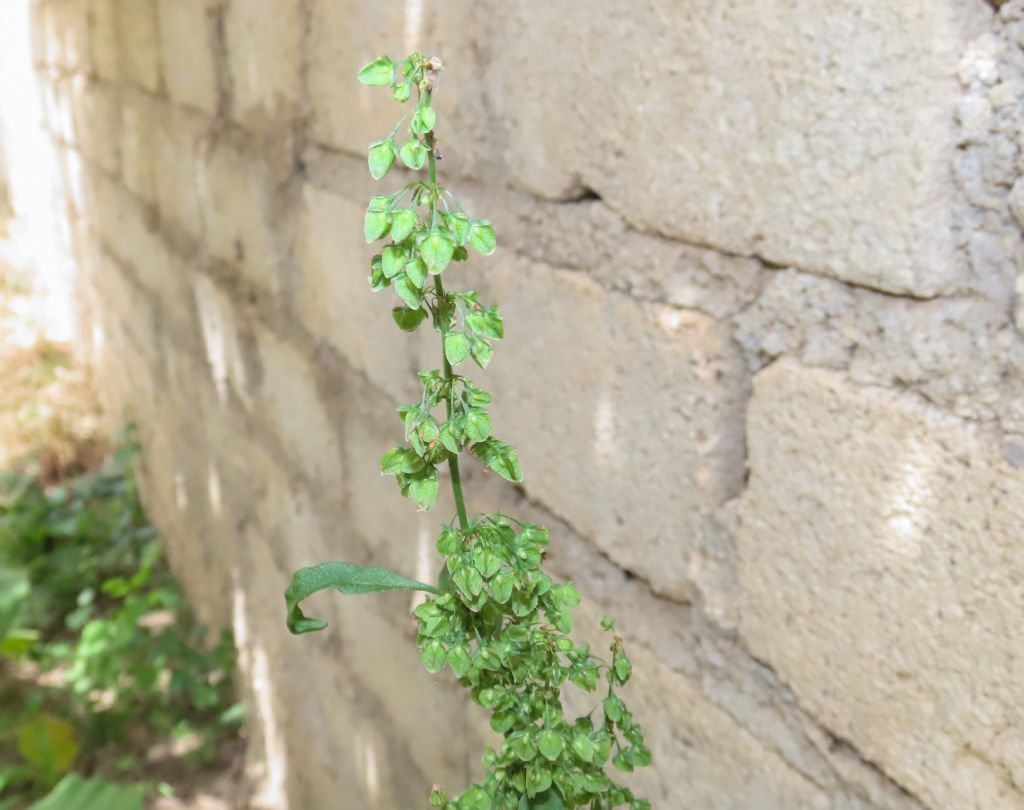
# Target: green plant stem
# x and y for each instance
(453, 460)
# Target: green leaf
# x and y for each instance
(487, 563)
(487, 323)
(436, 250)
(481, 237)
(377, 280)
(550, 744)
(583, 747)
(408, 319)
(537, 779)
(478, 424)
(381, 158)
(403, 223)
(14, 589)
(416, 270)
(548, 800)
(481, 352)
(402, 92)
(475, 798)
(500, 457)
(423, 120)
(475, 396)
(400, 460)
(447, 438)
(458, 660)
(378, 73)
(622, 666)
(468, 580)
(48, 744)
(76, 793)
(345, 578)
(614, 708)
(456, 347)
(424, 489)
(502, 586)
(375, 224)
(392, 260)
(413, 154)
(459, 224)
(448, 543)
(434, 656)
(407, 291)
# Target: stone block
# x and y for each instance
(186, 51)
(96, 118)
(627, 416)
(139, 40)
(264, 43)
(880, 572)
(235, 193)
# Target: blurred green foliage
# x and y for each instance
(97, 644)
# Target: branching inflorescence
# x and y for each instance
(495, 618)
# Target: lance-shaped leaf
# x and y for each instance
(345, 578)
(76, 793)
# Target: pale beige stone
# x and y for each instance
(140, 40)
(186, 48)
(627, 416)
(880, 571)
(702, 759)
(140, 120)
(103, 38)
(722, 127)
(96, 121)
(335, 300)
(234, 197)
(178, 142)
(264, 57)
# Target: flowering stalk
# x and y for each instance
(496, 619)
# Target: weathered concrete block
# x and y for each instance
(264, 58)
(649, 398)
(186, 51)
(140, 120)
(66, 35)
(178, 141)
(96, 118)
(235, 199)
(787, 167)
(140, 43)
(286, 394)
(336, 303)
(880, 571)
(703, 759)
(345, 37)
(103, 39)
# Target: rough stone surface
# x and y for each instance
(820, 200)
(880, 570)
(263, 40)
(186, 29)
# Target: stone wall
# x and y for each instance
(761, 268)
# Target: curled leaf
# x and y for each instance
(345, 578)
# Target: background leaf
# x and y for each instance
(76, 793)
(14, 589)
